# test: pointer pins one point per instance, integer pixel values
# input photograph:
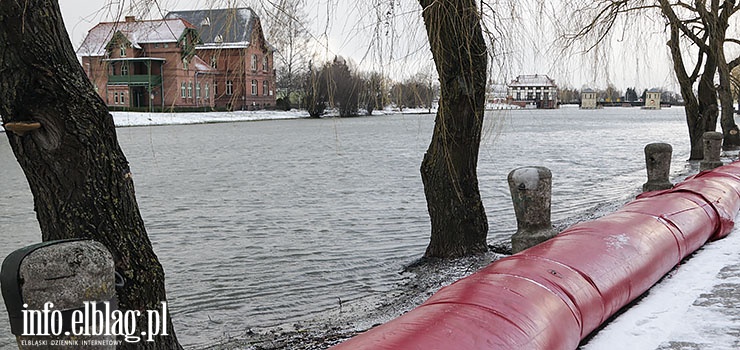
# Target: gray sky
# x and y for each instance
(347, 29)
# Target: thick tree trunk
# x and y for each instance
(708, 109)
(79, 177)
(731, 136)
(730, 131)
(448, 171)
(694, 120)
(701, 108)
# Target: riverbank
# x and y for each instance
(129, 119)
(262, 224)
(695, 306)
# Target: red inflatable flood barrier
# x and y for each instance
(553, 295)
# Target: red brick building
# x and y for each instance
(191, 59)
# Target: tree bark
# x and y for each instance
(717, 37)
(448, 171)
(79, 177)
(700, 108)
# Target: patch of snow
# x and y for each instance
(143, 119)
(496, 106)
(529, 177)
(615, 242)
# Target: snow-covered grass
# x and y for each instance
(123, 119)
(141, 119)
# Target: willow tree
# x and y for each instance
(65, 141)
(448, 170)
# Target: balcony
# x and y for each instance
(135, 80)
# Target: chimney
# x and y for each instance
(130, 19)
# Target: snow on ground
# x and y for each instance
(123, 119)
(141, 119)
(696, 307)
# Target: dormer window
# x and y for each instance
(185, 63)
(265, 63)
(205, 22)
(214, 61)
(219, 39)
(254, 62)
(123, 51)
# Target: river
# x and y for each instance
(272, 222)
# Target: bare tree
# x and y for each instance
(448, 171)
(286, 28)
(373, 92)
(344, 87)
(703, 26)
(316, 90)
(80, 179)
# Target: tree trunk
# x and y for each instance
(708, 111)
(448, 171)
(701, 108)
(731, 136)
(718, 33)
(79, 177)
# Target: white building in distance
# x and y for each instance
(533, 91)
(589, 99)
(652, 99)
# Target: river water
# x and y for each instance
(272, 222)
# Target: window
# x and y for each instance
(123, 51)
(190, 89)
(207, 92)
(197, 90)
(215, 89)
(156, 45)
(182, 89)
(124, 69)
(265, 63)
(254, 62)
(166, 45)
(123, 98)
(185, 63)
(115, 98)
(254, 87)
(229, 87)
(214, 61)
(265, 87)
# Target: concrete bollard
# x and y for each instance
(52, 291)
(658, 164)
(531, 189)
(712, 149)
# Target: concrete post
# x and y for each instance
(712, 149)
(76, 276)
(658, 163)
(531, 189)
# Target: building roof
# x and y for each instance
(202, 66)
(587, 90)
(220, 26)
(136, 32)
(532, 80)
(655, 90)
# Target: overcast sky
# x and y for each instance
(347, 29)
